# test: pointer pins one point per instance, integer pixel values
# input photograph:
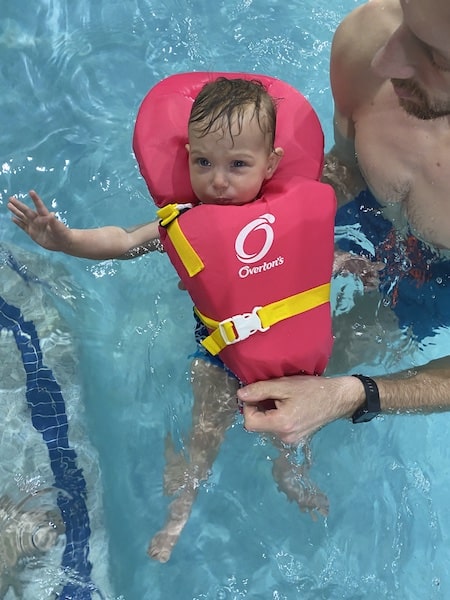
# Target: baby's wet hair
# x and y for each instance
(222, 104)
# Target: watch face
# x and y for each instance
(363, 416)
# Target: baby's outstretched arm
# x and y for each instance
(99, 244)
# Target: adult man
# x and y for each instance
(390, 75)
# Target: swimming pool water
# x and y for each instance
(73, 76)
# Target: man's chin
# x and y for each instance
(412, 108)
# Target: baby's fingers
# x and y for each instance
(16, 203)
(16, 207)
(41, 209)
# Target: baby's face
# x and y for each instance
(230, 169)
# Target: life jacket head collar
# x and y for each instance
(160, 135)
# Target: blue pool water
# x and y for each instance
(73, 75)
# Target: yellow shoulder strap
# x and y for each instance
(188, 256)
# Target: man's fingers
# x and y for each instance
(262, 390)
(261, 422)
(255, 419)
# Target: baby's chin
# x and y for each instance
(225, 201)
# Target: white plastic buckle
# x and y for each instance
(244, 325)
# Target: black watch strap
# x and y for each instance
(371, 406)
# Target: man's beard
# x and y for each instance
(421, 106)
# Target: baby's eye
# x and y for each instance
(238, 163)
(203, 162)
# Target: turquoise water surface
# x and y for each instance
(73, 76)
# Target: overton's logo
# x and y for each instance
(261, 223)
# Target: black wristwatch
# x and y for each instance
(371, 405)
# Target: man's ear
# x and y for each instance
(188, 148)
(274, 160)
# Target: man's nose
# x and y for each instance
(397, 59)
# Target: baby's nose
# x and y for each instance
(219, 180)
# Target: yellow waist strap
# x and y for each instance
(237, 328)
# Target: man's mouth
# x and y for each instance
(404, 93)
(415, 102)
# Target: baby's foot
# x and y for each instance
(161, 546)
(312, 501)
(292, 481)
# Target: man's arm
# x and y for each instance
(346, 65)
(424, 389)
(306, 403)
(341, 170)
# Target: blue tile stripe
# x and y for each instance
(48, 415)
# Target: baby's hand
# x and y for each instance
(367, 270)
(41, 225)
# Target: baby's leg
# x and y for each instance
(293, 480)
(213, 412)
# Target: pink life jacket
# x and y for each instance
(258, 274)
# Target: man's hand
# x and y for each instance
(367, 270)
(303, 403)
